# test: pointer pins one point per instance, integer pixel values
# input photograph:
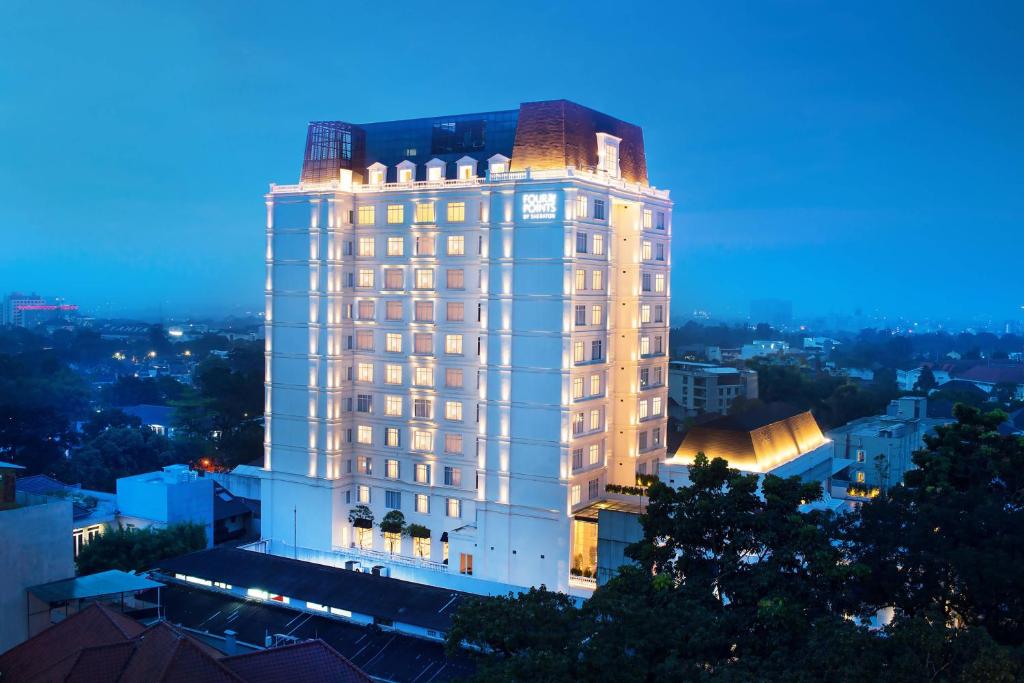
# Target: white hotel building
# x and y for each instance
(468, 323)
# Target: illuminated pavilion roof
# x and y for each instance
(757, 440)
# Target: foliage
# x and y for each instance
(118, 452)
(132, 391)
(951, 541)
(926, 380)
(417, 531)
(393, 522)
(734, 582)
(139, 549)
(360, 515)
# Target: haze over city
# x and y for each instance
(840, 158)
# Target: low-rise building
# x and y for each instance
(706, 388)
(907, 378)
(35, 531)
(762, 347)
(874, 453)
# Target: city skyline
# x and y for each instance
(841, 160)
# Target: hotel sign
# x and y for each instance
(540, 206)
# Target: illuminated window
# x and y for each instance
(422, 504)
(393, 439)
(599, 244)
(659, 282)
(393, 405)
(456, 212)
(396, 246)
(456, 311)
(366, 215)
(364, 372)
(595, 419)
(452, 476)
(421, 547)
(422, 440)
(423, 343)
(456, 245)
(596, 314)
(435, 170)
(422, 473)
(643, 408)
(392, 278)
(577, 352)
(393, 310)
(647, 219)
(366, 277)
(646, 250)
(391, 469)
(364, 434)
(364, 465)
(424, 278)
(594, 453)
(396, 214)
(364, 340)
(860, 477)
(424, 377)
(393, 374)
(425, 246)
(453, 507)
(581, 280)
(453, 343)
(453, 411)
(363, 496)
(645, 345)
(575, 494)
(656, 405)
(577, 387)
(456, 278)
(860, 456)
(393, 342)
(453, 378)
(453, 444)
(366, 246)
(365, 310)
(645, 313)
(465, 561)
(424, 311)
(595, 385)
(597, 279)
(425, 212)
(581, 206)
(578, 420)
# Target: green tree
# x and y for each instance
(926, 380)
(118, 452)
(139, 549)
(950, 543)
(393, 522)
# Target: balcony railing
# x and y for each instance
(508, 176)
(338, 556)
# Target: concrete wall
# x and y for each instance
(37, 548)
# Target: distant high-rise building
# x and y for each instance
(27, 310)
(467, 324)
(775, 312)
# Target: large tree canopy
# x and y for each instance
(733, 582)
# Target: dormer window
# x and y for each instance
(406, 172)
(466, 167)
(498, 164)
(376, 173)
(608, 154)
(435, 170)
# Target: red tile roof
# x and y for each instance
(98, 644)
(92, 627)
(312, 661)
(996, 374)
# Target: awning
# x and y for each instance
(109, 582)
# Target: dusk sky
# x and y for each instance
(868, 156)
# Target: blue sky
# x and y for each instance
(868, 155)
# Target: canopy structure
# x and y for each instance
(112, 582)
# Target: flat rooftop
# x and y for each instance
(380, 597)
(384, 655)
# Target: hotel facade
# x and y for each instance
(467, 323)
